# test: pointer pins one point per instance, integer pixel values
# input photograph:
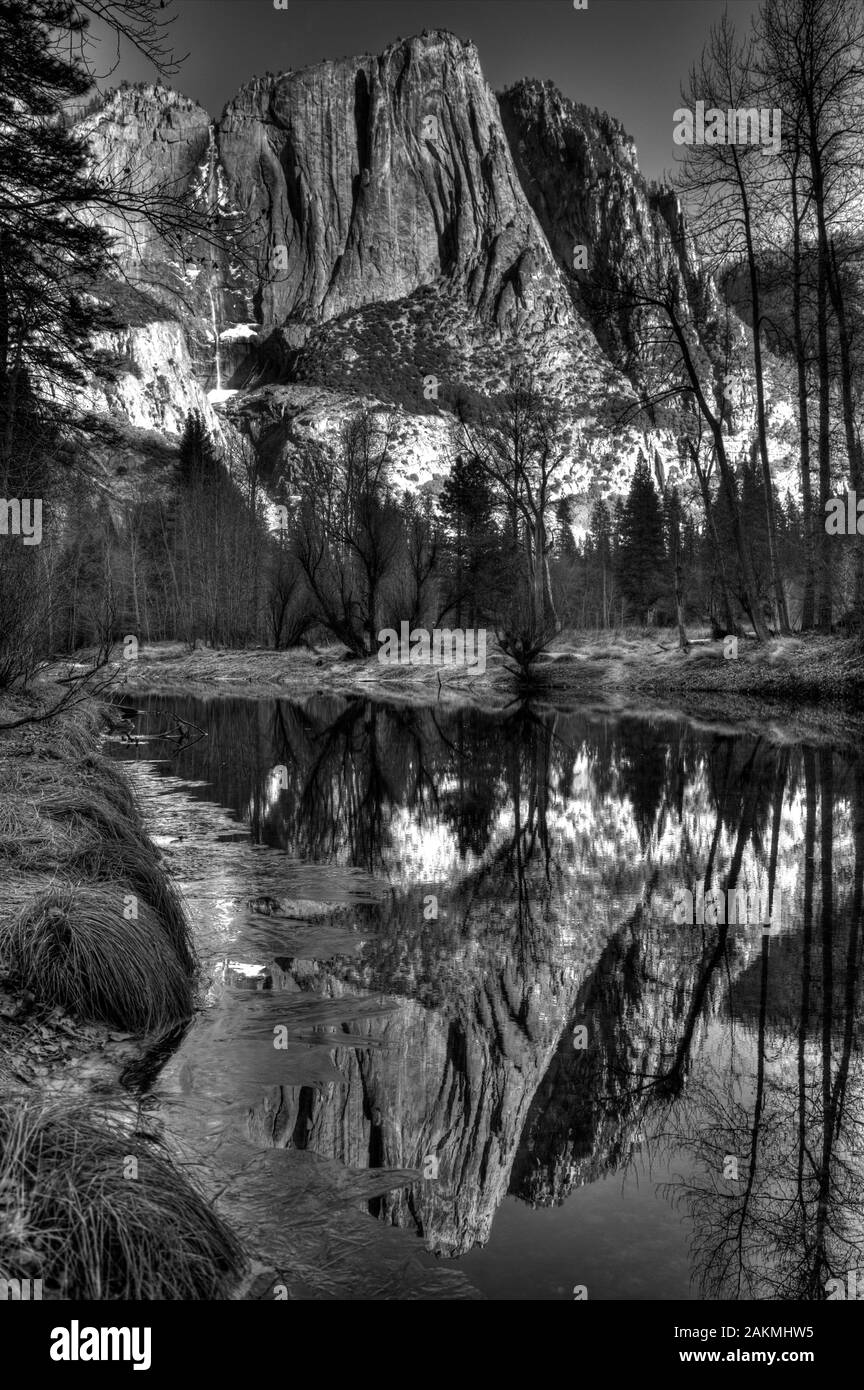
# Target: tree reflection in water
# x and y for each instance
(554, 844)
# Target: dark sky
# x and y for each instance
(628, 57)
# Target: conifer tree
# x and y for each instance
(197, 460)
(50, 250)
(601, 559)
(467, 506)
(642, 553)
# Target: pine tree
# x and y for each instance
(675, 549)
(197, 462)
(601, 559)
(753, 516)
(564, 528)
(642, 553)
(600, 532)
(466, 498)
(50, 250)
(467, 506)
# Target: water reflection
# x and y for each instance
(531, 861)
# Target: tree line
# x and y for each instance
(228, 555)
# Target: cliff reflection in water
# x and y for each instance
(552, 846)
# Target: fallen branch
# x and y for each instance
(77, 693)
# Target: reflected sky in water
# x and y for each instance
(502, 996)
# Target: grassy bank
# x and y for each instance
(99, 1211)
(88, 923)
(170, 668)
(639, 666)
(96, 968)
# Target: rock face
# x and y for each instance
(379, 175)
(157, 385)
(386, 221)
(580, 173)
(357, 181)
(146, 138)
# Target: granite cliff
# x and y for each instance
(385, 229)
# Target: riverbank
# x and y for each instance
(812, 683)
(39, 1037)
(170, 669)
(97, 969)
(112, 1191)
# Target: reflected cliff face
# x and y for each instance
(595, 1092)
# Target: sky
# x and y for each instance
(627, 57)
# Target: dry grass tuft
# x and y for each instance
(72, 946)
(73, 1214)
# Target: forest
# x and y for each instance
(220, 549)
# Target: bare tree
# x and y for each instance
(723, 185)
(144, 25)
(347, 534)
(812, 62)
(518, 443)
(694, 374)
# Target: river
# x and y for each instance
(451, 1010)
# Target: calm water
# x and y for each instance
(598, 1095)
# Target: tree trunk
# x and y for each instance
(729, 612)
(847, 396)
(779, 594)
(727, 478)
(823, 597)
(824, 600)
(809, 595)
